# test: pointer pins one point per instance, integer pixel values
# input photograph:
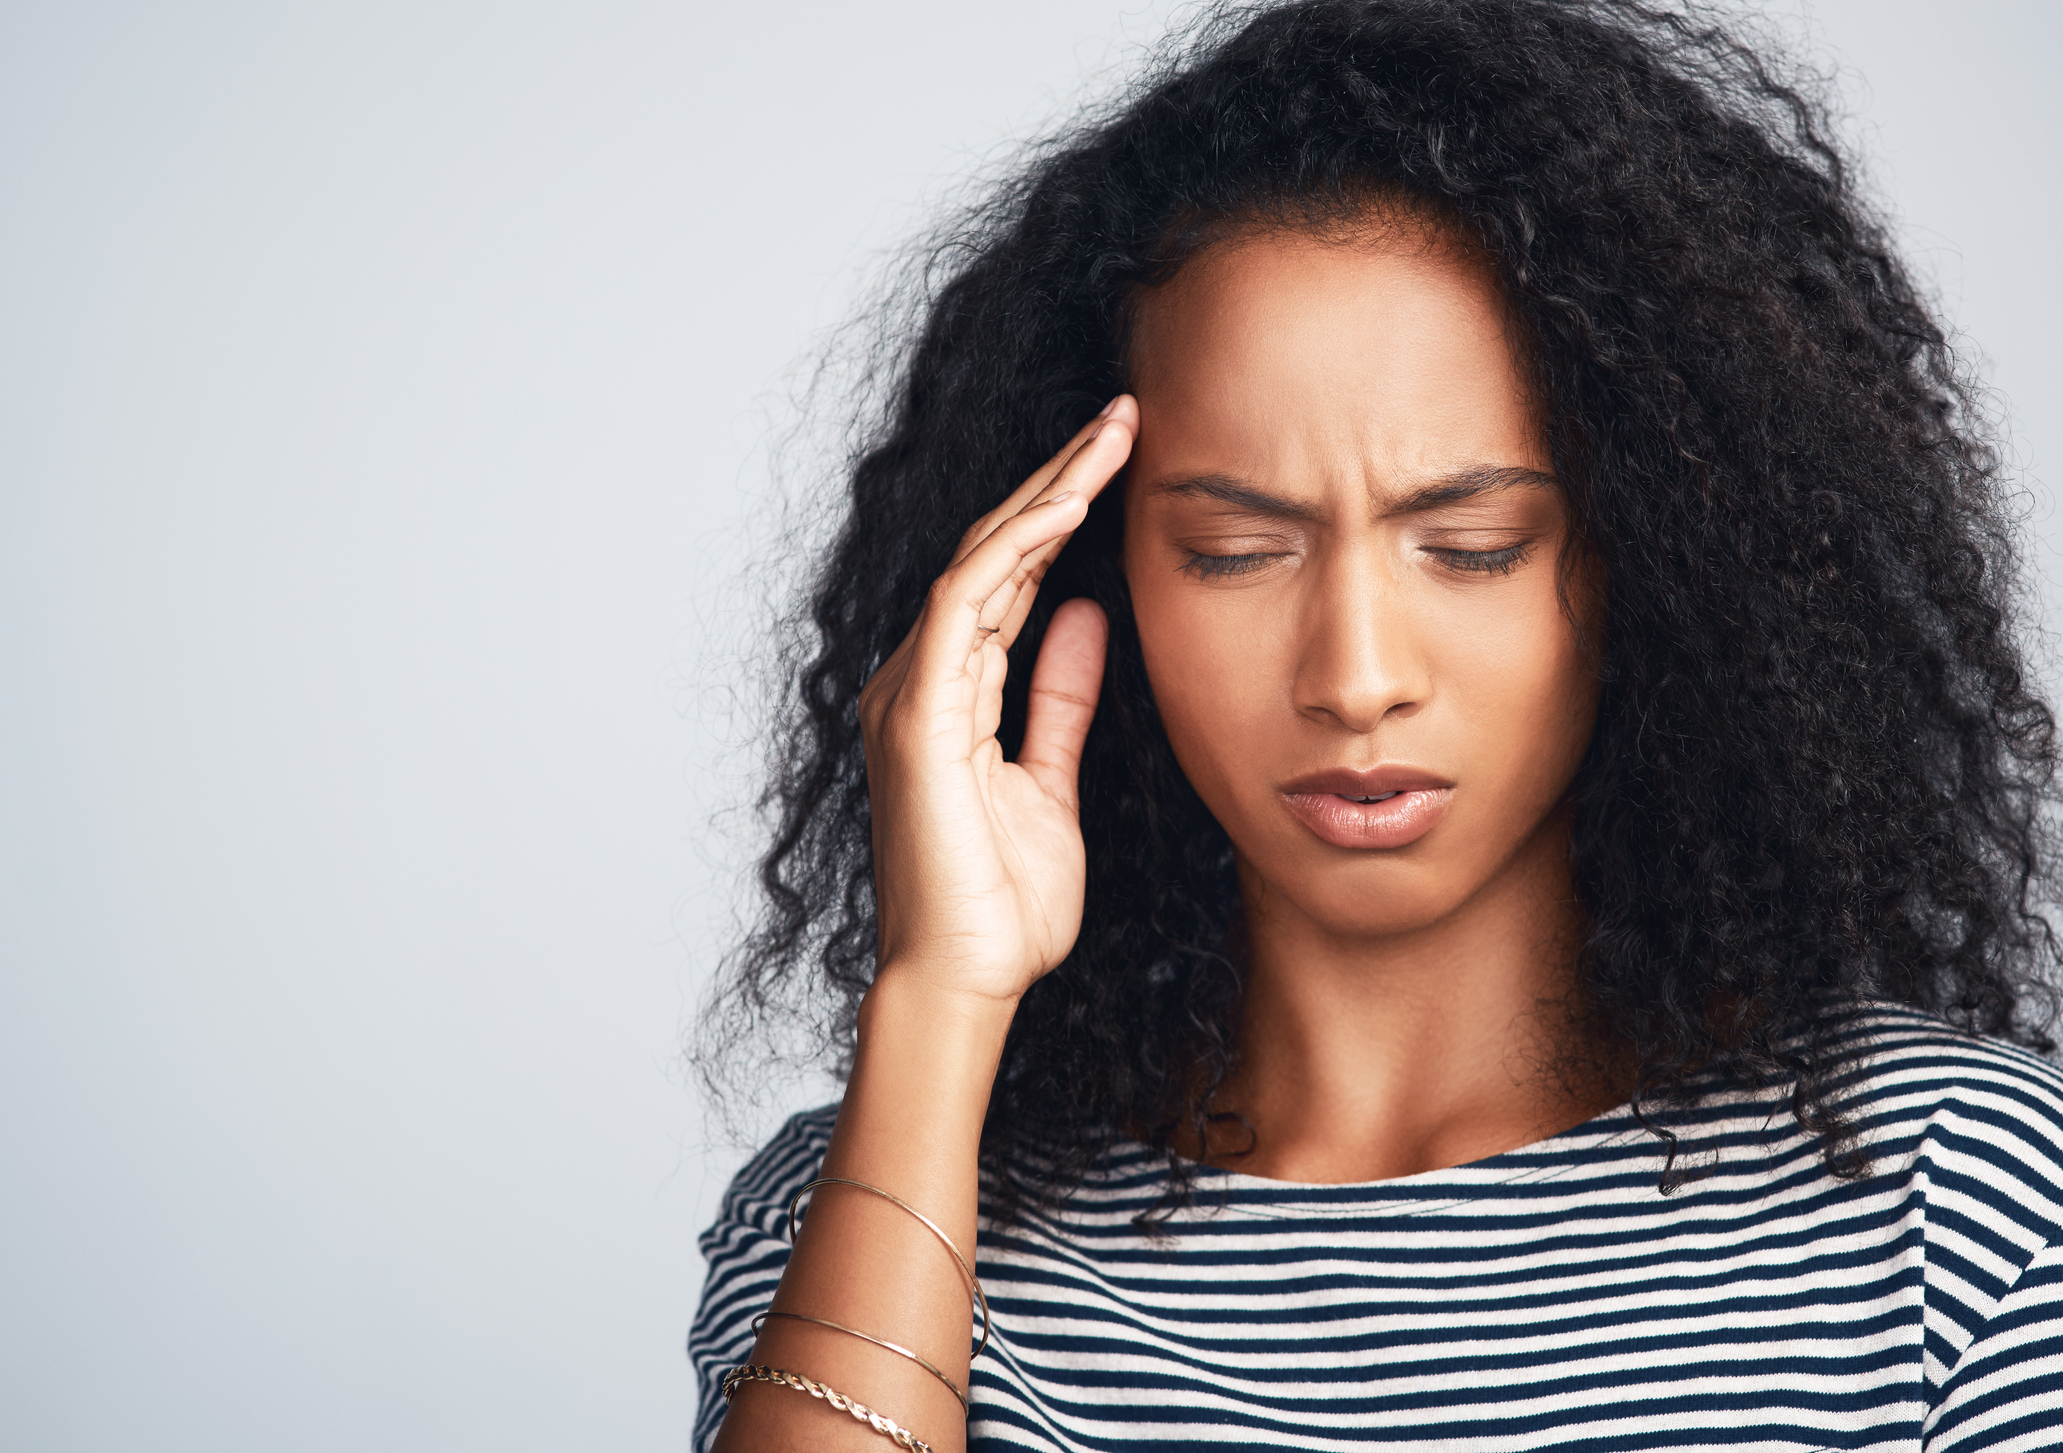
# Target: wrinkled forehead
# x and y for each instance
(1287, 356)
(1206, 255)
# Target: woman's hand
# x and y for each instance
(978, 869)
(978, 861)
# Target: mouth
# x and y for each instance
(1381, 807)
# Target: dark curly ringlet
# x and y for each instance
(1820, 773)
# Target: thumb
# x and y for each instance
(1064, 686)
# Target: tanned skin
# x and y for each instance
(1370, 639)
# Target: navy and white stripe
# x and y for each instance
(1550, 1297)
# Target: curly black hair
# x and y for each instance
(1820, 774)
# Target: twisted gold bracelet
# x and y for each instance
(974, 1282)
(886, 1426)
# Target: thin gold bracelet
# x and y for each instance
(898, 1349)
(886, 1426)
(980, 1297)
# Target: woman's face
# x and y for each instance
(1342, 537)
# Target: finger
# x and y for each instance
(1044, 479)
(1037, 483)
(990, 666)
(1064, 686)
(1027, 595)
(952, 626)
(1038, 563)
(1092, 468)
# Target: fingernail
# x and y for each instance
(1093, 433)
(1108, 407)
(1061, 498)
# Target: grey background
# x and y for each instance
(383, 397)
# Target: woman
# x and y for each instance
(1463, 865)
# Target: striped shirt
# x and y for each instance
(1548, 1297)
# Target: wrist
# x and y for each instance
(924, 1067)
(906, 996)
(943, 1044)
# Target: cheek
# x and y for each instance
(1513, 704)
(1208, 662)
(1524, 691)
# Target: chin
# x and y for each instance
(1368, 900)
(1359, 918)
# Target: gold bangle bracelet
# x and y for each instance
(981, 1300)
(886, 1426)
(898, 1349)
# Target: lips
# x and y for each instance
(1380, 807)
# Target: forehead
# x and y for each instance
(1283, 354)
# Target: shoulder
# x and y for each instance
(747, 1246)
(749, 1240)
(746, 1251)
(759, 1194)
(1913, 1083)
(1969, 1133)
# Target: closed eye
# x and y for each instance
(1214, 567)
(1482, 562)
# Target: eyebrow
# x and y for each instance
(1461, 484)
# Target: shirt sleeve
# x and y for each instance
(747, 1250)
(2005, 1394)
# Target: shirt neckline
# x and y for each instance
(1601, 1127)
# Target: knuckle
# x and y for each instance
(881, 690)
(878, 733)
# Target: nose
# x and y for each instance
(1359, 658)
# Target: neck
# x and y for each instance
(1366, 1059)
